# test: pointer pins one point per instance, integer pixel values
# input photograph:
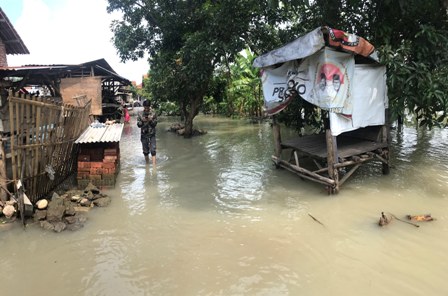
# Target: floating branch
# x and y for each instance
(316, 220)
(395, 217)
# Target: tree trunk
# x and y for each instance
(190, 115)
(188, 126)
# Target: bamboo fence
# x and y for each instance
(43, 132)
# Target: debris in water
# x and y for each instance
(316, 220)
(395, 217)
(426, 217)
(384, 220)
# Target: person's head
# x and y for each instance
(146, 106)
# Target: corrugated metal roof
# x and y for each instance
(107, 133)
(101, 68)
(12, 40)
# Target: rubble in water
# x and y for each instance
(57, 213)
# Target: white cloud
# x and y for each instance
(71, 32)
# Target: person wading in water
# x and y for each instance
(147, 121)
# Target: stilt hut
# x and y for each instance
(341, 75)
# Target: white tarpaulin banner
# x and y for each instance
(369, 92)
(275, 87)
(323, 79)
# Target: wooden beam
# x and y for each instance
(345, 178)
(303, 172)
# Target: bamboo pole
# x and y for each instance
(37, 103)
(3, 176)
(30, 132)
(38, 136)
(18, 129)
(13, 135)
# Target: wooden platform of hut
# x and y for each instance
(331, 160)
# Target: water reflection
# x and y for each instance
(427, 148)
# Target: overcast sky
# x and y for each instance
(67, 32)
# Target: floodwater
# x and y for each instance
(216, 218)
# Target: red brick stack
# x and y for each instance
(98, 165)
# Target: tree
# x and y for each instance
(186, 40)
(244, 91)
(414, 36)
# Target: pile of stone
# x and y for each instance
(61, 212)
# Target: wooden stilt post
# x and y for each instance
(331, 160)
(277, 137)
(386, 139)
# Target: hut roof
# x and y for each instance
(101, 134)
(313, 41)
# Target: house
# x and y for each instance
(43, 110)
(93, 81)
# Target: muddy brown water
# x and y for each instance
(216, 218)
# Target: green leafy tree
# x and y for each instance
(244, 91)
(413, 37)
(186, 41)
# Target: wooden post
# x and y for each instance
(331, 160)
(386, 139)
(277, 137)
(3, 176)
(13, 136)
